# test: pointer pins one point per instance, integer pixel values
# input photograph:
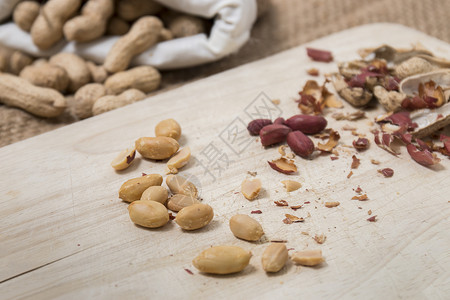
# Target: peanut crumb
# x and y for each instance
(369, 212)
(320, 239)
(332, 204)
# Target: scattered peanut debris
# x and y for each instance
(313, 72)
(369, 212)
(281, 203)
(332, 204)
(256, 212)
(358, 190)
(356, 162)
(295, 207)
(332, 142)
(292, 219)
(362, 197)
(291, 185)
(350, 174)
(359, 114)
(281, 150)
(372, 219)
(276, 101)
(334, 157)
(320, 239)
(188, 271)
(252, 173)
(387, 172)
(308, 257)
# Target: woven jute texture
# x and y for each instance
(285, 24)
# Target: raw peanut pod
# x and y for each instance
(91, 24)
(195, 216)
(12, 61)
(98, 73)
(300, 144)
(250, 188)
(274, 257)
(255, 126)
(179, 160)
(117, 26)
(42, 102)
(75, 67)
(109, 102)
(180, 185)
(186, 25)
(308, 257)
(169, 128)
(273, 134)
(148, 214)
(158, 148)
(179, 201)
(46, 75)
(131, 10)
(124, 159)
(47, 29)
(155, 193)
(144, 78)
(222, 260)
(132, 189)
(25, 13)
(246, 228)
(306, 123)
(85, 98)
(142, 35)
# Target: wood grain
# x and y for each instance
(65, 234)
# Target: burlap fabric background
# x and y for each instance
(286, 23)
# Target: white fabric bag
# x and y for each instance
(231, 29)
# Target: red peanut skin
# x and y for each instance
(273, 134)
(306, 123)
(255, 126)
(300, 144)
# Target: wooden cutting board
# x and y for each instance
(65, 234)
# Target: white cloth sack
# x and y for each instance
(231, 29)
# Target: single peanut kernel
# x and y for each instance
(148, 214)
(291, 185)
(157, 148)
(124, 159)
(330, 204)
(169, 128)
(155, 193)
(132, 189)
(179, 201)
(178, 161)
(250, 188)
(222, 260)
(274, 257)
(246, 228)
(194, 216)
(308, 257)
(180, 185)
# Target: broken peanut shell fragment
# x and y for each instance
(251, 188)
(222, 260)
(283, 165)
(308, 257)
(124, 159)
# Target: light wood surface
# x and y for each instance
(65, 234)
